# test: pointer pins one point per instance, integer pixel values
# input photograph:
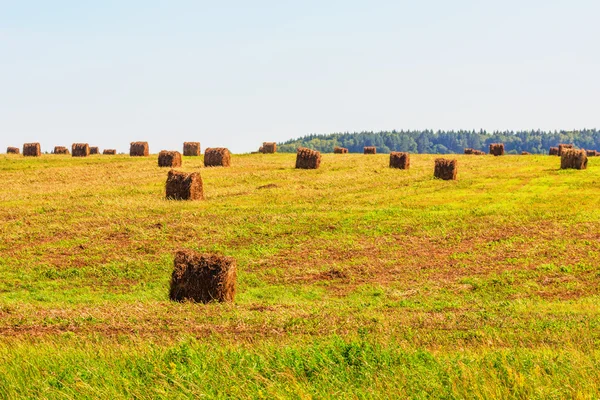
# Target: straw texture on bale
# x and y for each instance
(139, 149)
(445, 169)
(573, 159)
(203, 278)
(94, 150)
(110, 152)
(217, 157)
(497, 149)
(340, 150)
(32, 150)
(307, 158)
(399, 160)
(592, 153)
(553, 151)
(268, 148)
(169, 159)
(562, 147)
(191, 149)
(370, 150)
(184, 186)
(80, 150)
(525, 153)
(61, 150)
(13, 150)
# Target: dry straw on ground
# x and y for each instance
(217, 157)
(399, 160)
(110, 152)
(191, 149)
(32, 150)
(139, 149)
(61, 150)
(553, 151)
(80, 150)
(445, 169)
(203, 278)
(497, 149)
(573, 159)
(268, 148)
(562, 147)
(340, 150)
(307, 158)
(13, 150)
(370, 150)
(94, 150)
(184, 186)
(169, 159)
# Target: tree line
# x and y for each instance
(445, 142)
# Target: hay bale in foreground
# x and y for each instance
(217, 157)
(80, 150)
(13, 150)
(191, 149)
(525, 153)
(445, 169)
(307, 158)
(203, 278)
(139, 149)
(268, 148)
(562, 147)
(169, 159)
(60, 150)
(399, 160)
(340, 150)
(109, 152)
(370, 150)
(184, 186)
(94, 150)
(592, 153)
(553, 151)
(497, 149)
(573, 159)
(32, 150)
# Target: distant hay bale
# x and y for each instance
(479, 153)
(80, 150)
(370, 150)
(497, 149)
(32, 150)
(445, 169)
(60, 150)
(169, 159)
(217, 157)
(184, 186)
(268, 148)
(139, 149)
(191, 149)
(109, 152)
(525, 153)
(469, 151)
(562, 147)
(203, 278)
(553, 151)
(399, 160)
(340, 150)
(307, 158)
(94, 150)
(13, 150)
(592, 153)
(573, 159)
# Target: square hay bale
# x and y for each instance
(574, 159)
(445, 169)
(13, 150)
(340, 150)
(307, 158)
(399, 160)
(61, 150)
(217, 157)
(184, 186)
(479, 153)
(370, 150)
(110, 152)
(191, 149)
(169, 159)
(203, 278)
(562, 147)
(94, 150)
(592, 153)
(469, 151)
(497, 149)
(32, 150)
(553, 151)
(525, 153)
(80, 150)
(268, 148)
(139, 149)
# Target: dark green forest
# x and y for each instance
(445, 142)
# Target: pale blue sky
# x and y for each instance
(237, 73)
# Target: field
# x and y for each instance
(354, 280)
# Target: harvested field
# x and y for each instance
(13, 150)
(497, 149)
(169, 159)
(32, 150)
(370, 150)
(573, 159)
(307, 159)
(399, 160)
(184, 186)
(191, 149)
(217, 157)
(340, 150)
(80, 150)
(445, 169)
(139, 149)
(60, 150)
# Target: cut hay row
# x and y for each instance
(80, 150)
(307, 158)
(60, 150)
(191, 149)
(217, 157)
(32, 150)
(169, 159)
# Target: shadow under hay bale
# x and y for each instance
(184, 186)
(32, 150)
(399, 160)
(562, 147)
(139, 149)
(445, 169)
(191, 149)
(553, 151)
(497, 149)
(525, 153)
(340, 150)
(109, 152)
(592, 153)
(370, 150)
(169, 159)
(307, 158)
(60, 150)
(217, 157)
(94, 150)
(203, 278)
(268, 148)
(573, 159)
(13, 150)
(80, 150)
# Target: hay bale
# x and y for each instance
(562, 147)
(110, 152)
(203, 278)
(497, 149)
(139, 149)
(80, 150)
(370, 150)
(268, 148)
(217, 157)
(525, 153)
(307, 158)
(399, 160)
(553, 151)
(191, 149)
(479, 153)
(13, 150)
(169, 159)
(61, 150)
(184, 186)
(573, 159)
(340, 150)
(445, 169)
(32, 150)
(592, 153)
(94, 150)
(469, 151)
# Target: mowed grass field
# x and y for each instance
(354, 280)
